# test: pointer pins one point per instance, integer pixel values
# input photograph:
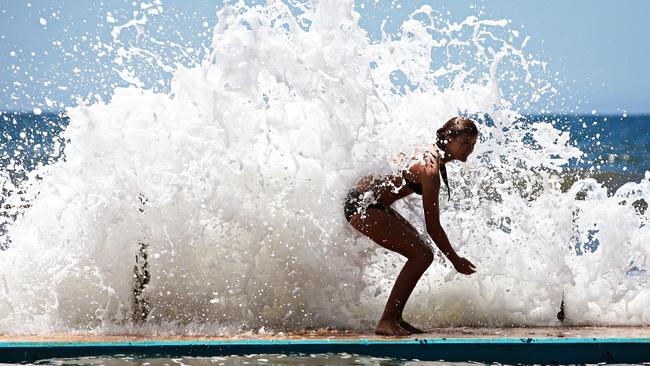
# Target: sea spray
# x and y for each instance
(244, 163)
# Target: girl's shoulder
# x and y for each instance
(431, 164)
(418, 159)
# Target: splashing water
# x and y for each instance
(234, 179)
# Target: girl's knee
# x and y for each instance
(428, 256)
(424, 257)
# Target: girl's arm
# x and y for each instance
(430, 180)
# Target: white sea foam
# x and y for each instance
(244, 163)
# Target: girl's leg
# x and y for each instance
(392, 231)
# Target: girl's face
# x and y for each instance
(460, 147)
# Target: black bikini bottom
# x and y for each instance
(354, 203)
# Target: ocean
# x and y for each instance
(616, 147)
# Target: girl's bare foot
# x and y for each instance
(390, 327)
(405, 325)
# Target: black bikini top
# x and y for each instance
(417, 187)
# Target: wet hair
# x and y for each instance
(454, 127)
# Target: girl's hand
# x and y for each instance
(464, 266)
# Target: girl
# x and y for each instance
(367, 209)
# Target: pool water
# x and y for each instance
(253, 359)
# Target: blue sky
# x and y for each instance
(599, 48)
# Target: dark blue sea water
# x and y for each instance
(28, 140)
(614, 145)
